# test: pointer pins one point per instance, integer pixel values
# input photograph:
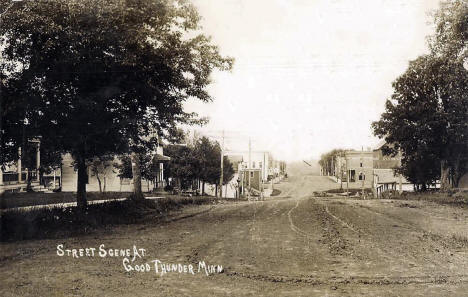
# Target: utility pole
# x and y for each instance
(250, 153)
(347, 177)
(362, 171)
(341, 170)
(222, 169)
(250, 165)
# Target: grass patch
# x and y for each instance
(351, 191)
(275, 192)
(453, 197)
(58, 222)
(321, 194)
(9, 200)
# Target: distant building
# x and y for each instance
(357, 167)
(385, 175)
(258, 160)
(369, 169)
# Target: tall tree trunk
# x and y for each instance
(457, 172)
(203, 188)
(137, 193)
(424, 187)
(28, 181)
(99, 182)
(444, 176)
(60, 180)
(216, 190)
(81, 184)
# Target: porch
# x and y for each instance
(15, 178)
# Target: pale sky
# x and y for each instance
(309, 75)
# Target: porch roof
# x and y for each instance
(159, 157)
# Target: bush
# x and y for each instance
(55, 222)
(275, 192)
(453, 197)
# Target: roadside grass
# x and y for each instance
(462, 241)
(356, 193)
(56, 222)
(351, 191)
(10, 200)
(451, 197)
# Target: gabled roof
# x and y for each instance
(380, 144)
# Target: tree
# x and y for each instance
(99, 76)
(451, 34)
(209, 158)
(183, 166)
(327, 161)
(197, 160)
(149, 166)
(419, 169)
(228, 170)
(100, 168)
(427, 115)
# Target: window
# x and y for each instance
(251, 174)
(362, 176)
(260, 164)
(352, 176)
(361, 164)
(253, 164)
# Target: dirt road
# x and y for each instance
(292, 245)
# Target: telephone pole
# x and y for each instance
(347, 177)
(222, 169)
(250, 165)
(362, 171)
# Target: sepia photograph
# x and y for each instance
(234, 148)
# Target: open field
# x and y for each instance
(291, 245)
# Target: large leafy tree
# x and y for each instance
(97, 77)
(209, 158)
(198, 160)
(183, 165)
(427, 115)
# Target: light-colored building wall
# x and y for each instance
(110, 181)
(108, 177)
(355, 167)
(258, 160)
